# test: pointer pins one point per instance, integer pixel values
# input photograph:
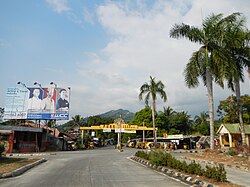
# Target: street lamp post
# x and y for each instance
(24, 85)
(36, 83)
(54, 122)
(40, 86)
(119, 143)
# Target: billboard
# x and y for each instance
(37, 103)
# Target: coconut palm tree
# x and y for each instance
(151, 89)
(204, 62)
(168, 111)
(202, 118)
(237, 47)
(77, 119)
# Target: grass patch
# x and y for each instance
(10, 164)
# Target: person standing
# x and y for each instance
(34, 103)
(62, 102)
(48, 103)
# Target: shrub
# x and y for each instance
(159, 158)
(142, 154)
(217, 173)
(232, 152)
(156, 157)
(195, 168)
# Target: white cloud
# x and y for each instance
(59, 6)
(88, 16)
(140, 46)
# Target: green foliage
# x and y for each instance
(228, 109)
(85, 138)
(194, 168)
(142, 154)
(160, 158)
(201, 124)
(98, 120)
(161, 121)
(126, 136)
(217, 173)
(232, 152)
(156, 158)
(179, 123)
(144, 115)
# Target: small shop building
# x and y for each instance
(230, 135)
(23, 139)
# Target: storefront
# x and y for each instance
(23, 139)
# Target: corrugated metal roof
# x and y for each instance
(20, 128)
(234, 128)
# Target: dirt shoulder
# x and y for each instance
(217, 156)
(8, 165)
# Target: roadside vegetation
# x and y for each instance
(160, 158)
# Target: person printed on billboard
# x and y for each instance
(34, 102)
(62, 102)
(48, 102)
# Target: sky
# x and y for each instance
(105, 50)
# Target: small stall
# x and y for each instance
(22, 139)
(230, 135)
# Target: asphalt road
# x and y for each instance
(104, 167)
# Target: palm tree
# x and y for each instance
(77, 119)
(204, 62)
(236, 45)
(202, 118)
(168, 111)
(151, 89)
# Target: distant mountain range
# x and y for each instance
(126, 115)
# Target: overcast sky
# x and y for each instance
(105, 50)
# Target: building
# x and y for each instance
(23, 139)
(230, 135)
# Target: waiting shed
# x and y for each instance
(230, 135)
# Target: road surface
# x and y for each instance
(104, 167)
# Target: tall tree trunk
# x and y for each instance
(239, 104)
(153, 118)
(211, 105)
(248, 74)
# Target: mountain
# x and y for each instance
(126, 115)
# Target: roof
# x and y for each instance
(234, 128)
(41, 126)
(20, 128)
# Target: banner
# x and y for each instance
(37, 103)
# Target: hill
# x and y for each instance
(126, 115)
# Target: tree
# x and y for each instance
(228, 111)
(151, 89)
(200, 123)
(179, 123)
(168, 111)
(237, 49)
(142, 116)
(77, 120)
(98, 120)
(204, 62)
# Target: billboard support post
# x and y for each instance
(24, 85)
(53, 83)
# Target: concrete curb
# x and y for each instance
(28, 154)
(23, 169)
(178, 175)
